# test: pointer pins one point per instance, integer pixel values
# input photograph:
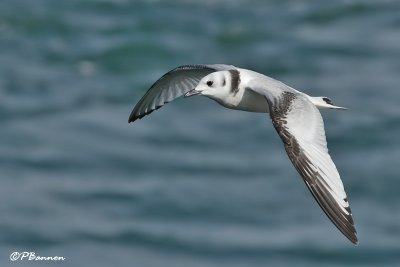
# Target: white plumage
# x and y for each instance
(294, 115)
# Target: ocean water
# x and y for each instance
(193, 184)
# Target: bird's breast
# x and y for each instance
(248, 100)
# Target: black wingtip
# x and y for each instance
(353, 238)
(132, 118)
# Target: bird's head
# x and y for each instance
(216, 85)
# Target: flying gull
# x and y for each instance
(294, 114)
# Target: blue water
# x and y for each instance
(193, 184)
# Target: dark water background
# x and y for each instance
(193, 184)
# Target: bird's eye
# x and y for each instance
(209, 83)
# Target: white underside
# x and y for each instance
(249, 101)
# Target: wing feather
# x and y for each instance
(171, 85)
(301, 128)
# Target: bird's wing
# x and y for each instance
(171, 85)
(301, 128)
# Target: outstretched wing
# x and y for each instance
(171, 85)
(301, 128)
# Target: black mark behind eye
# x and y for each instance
(209, 83)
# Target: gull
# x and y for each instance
(294, 114)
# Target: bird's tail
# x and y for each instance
(323, 102)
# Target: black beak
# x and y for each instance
(192, 93)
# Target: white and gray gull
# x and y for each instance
(294, 114)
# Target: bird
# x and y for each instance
(294, 115)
